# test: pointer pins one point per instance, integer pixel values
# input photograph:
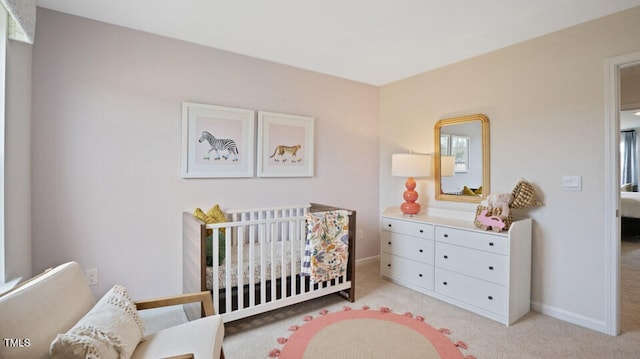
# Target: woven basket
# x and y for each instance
(490, 223)
(524, 195)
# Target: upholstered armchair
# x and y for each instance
(55, 314)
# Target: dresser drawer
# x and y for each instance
(417, 249)
(484, 241)
(416, 229)
(483, 265)
(406, 270)
(476, 292)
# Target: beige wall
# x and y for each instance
(17, 229)
(630, 88)
(545, 102)
(107, 186)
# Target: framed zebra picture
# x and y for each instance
(285, 145)
(217, 141)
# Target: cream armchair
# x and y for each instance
(35, 312)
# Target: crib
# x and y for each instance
(263, 255)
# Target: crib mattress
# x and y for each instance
(275, 264)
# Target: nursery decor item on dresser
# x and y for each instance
(488, 273)
(494, 212)
(410, 165)
(273, 257)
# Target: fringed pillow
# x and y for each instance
(111, 329)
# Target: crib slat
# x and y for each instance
(283, 258)
(252, 265)
(272, 244)
(240, 267)
(215, 269)
(228, 285)
(292, 259)
(261, 239)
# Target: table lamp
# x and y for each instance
(410, 165)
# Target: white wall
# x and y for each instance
(17, 229)
(107, 186)
(545, 102)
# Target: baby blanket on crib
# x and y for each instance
(327, 245)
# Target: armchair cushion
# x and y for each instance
(111, 329)
(195, 337)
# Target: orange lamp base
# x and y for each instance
(410, 196)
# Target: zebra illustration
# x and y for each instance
(220, 144)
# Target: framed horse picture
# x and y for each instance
(285, 145)
(217, 141)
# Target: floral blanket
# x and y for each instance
(327, 246)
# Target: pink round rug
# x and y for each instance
(368, 334)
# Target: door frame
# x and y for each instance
(612, 186)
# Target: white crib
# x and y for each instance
(264, 251)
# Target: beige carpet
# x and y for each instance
(534, 336)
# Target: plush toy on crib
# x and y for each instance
(494, 213)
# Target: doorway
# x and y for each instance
(613, 66)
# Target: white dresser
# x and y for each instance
(485, 272)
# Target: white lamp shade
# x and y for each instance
(447, 166)
(410, 165)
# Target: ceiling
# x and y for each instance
(370, 41)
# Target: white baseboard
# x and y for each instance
(570, 317)
(367, 260)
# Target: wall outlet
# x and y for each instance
(92, 276)
(360, 235)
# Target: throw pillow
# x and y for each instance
(111, 329)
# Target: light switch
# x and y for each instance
(572, 183)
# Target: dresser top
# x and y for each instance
(453, 219)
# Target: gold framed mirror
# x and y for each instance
(461, 158)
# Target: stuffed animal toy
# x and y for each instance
(499, 200)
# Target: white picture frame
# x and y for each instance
(231, 151)
(285, 145)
